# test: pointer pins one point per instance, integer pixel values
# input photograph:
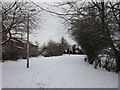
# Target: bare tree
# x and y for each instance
(113, 10)
(14, 17)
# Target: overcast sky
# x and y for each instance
(51, 29)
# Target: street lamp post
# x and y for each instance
(32, 10)
(28, 41)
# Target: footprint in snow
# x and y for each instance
(42, 85)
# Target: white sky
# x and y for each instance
(51, 29)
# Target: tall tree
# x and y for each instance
(105, 29)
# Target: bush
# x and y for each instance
(52, 49)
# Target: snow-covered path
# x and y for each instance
(56, 72)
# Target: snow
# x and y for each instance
(56, 72)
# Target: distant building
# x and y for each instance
(74, 49)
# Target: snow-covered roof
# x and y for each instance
(19, 47)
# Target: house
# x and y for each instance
(16, 48)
